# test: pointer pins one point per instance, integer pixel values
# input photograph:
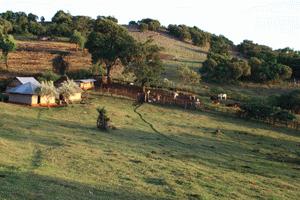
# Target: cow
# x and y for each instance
(222, 96)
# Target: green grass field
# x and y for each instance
(59, 154)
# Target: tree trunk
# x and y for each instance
(6, 59)
(108, 68)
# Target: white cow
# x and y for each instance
(222, 96)
(175, 95)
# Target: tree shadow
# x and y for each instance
(195, 50)
(47, 50)
(16, 184)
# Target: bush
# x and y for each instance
(3, 98)
(290, 101)
(152, 24)
(188, 76)
(216, 91)
(67, 89)
(103, 119)
(181, 32)
(262, 71)
(78, 39)
(221, 68)
(199, 37)
(143, 27)
(260, 111)
(80, 74)
(220, 45)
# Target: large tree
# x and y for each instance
(109, 43)
(146, 65)
(7, 45)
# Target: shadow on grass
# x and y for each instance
(16, 185)
(195, 50)
(235, 150)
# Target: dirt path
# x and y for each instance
(153, 128)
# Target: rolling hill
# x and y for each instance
(153, 153)
(36, 56)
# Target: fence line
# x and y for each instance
(133, 92)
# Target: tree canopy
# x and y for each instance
(146, 65)
(7, 45)
(110, 43)
(78, 39)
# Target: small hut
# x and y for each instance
(17, 81)
(86, 84)
(25, 92)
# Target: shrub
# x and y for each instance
(152, 24)
(188, 76)
(143, 27)
(3, 98)
(78, 39)
(221, 68)
(103, 119)
(181, 32)
(290, 101)
(80, 74)
(68, 89)
(47, 90)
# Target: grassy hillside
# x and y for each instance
(59, 154)
(175, 53)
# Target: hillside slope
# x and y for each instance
(175, 52)
(36, 56)
(59, 154)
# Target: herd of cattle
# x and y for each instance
(165, 97)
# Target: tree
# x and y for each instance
(152, 24)
(47, 90)
(5, 26)
(110, 43)
(181, 32)
(82, 24)
(7, 45)
(220, 45)
(222, 68)
(60, 65)
(61, 24)
(143, 27)
(263, 71)
(78, 39)
(32, 17)
(68, 89)
(36, 28)
(187, 75)
(62, 17)
(43, 19)
(133, 23)
(199, 37)
(146, 65)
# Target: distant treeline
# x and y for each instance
(226, 62)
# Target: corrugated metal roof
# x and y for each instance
(24, 80)
(27, 88)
